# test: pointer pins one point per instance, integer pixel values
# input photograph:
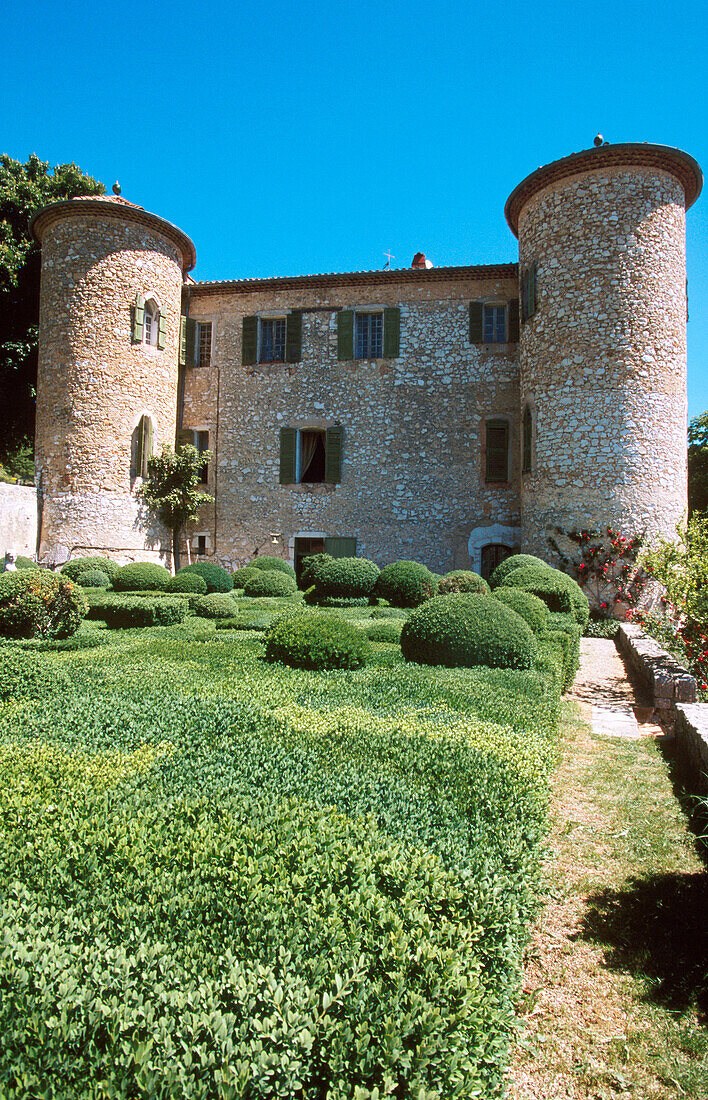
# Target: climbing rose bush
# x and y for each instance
(605, 563)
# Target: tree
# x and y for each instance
(698, 464)
(24, 188)
(171, 488)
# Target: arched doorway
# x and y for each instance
(492, 555)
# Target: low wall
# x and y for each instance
(691, 731)
(18, 520)
(664, 680)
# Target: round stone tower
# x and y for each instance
(109, 333)
(603, 340)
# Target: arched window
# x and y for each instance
(149, 323)
(527, 441)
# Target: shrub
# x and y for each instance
(187, 582)
(313, 641)
(242, 576)
(36, 603)
(25, 563)
(131, 611)
(514, 561)
(26, 675)
(344, 578)
(269, 563)
(73, 568)
(337, 601)
(462, 580)
(405, 584)
(93, 578)
(601, 628)
(141, 575)
(541, 581)
(216, 605)
(384, 631)
(270, 583)
(566, 624)
(531, 608)
(461, 631)
(389, 613)
(217, 579)
(249, 620)
(310, 565)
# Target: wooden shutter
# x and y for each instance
(144, 445)
(497, 451)
(476, 323)
(512, 318)
(249, 341)
(345, 334)
(392, 332)
(527, 441)
(185, 436)
(187, 342)
(161, 330)
(340, 547)
(334, 444)
(288, 447)
(138, 319)
(293, 337)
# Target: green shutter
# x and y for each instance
(334, 442)
(513, 321)
(190, 358)
(161, 330)
(497, 451)
(293, 337)
(138, 319)
(144, 446)
(148, 446)
(476, 316)
(288, 445)
(249, 341)
(185, 436)
(345, 334)
(392, 333)
(340, 548)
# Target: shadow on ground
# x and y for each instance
(656, 927)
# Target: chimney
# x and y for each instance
(419, 260)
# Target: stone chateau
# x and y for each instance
(445, 414)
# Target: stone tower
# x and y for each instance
(107, 389)
(603, 339)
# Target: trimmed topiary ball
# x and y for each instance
(345, 578)
(22, 562)
(217, 579)
(93, 578)
(73, 568)
(462, 580)
(36, 603)
(271, 564)
(310, 565)
(461, 631)
(313, 641)
(187, 582)
(142, 576)
(531, 608)
(242, 576)
(405, 584)
(515, 561)
(270, 583)
(216, 605)
(557, 590)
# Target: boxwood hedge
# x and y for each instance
(462, 580)
(342, 578)
(141, 575)
(72, 568)
(134, 612)
(37, 603)
(461, 630)
(514, 561)
(405, 584)
(314, 641)
(187, 582)
(217, 579)
(270, 563)
(269, 582)
(531, 608)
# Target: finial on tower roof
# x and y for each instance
(598, 140)
(116, 188)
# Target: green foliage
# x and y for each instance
(461, 631)
(269, 563)
(310, 565)
(531, 608)
(270, 583)
(37, 603)
(217, 579)
(405, 584)
(559, 622)
(310, 640)
(314, 599)
(542, 581)
(217, 605)
(389, 613)
(26, 675)
(24, 188)
(187, 582)
(698, 464)
(241, 576)
(72, 569)
(93, 578)
(141, 575)
(25, 563)
(601, 628)
(462, 580)
(17, 465)
(386, 630)
(342, 578)
(134, 611)
(514, 561)
(172, 488)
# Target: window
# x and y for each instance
(321, 544)
(494, 322)
(493, 554)
(368, 334)
(141, 447)
(195, 339)
(528, 291)
(309, 456)
(201, 544)
(201, 442)
(527, 441)
(272, 340)
(496, 462)
(149, 323)
(203, 344)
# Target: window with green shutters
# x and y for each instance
(494, 322)
(271, 339)
(496, 462)
(369, 334)
(310, 456)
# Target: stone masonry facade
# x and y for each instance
(588, 393)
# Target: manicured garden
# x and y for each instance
(261, 844)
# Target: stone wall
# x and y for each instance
(18, 519)
(413, 471)
(603, 361)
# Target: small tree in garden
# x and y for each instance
(604, 563)
(698, 464)
(171, 488)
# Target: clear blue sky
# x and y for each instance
(289, 138)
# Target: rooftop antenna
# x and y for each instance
(390, 256)
(116, 189)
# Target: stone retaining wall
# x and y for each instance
(18, 519)
(691, 730)
(665, 681)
